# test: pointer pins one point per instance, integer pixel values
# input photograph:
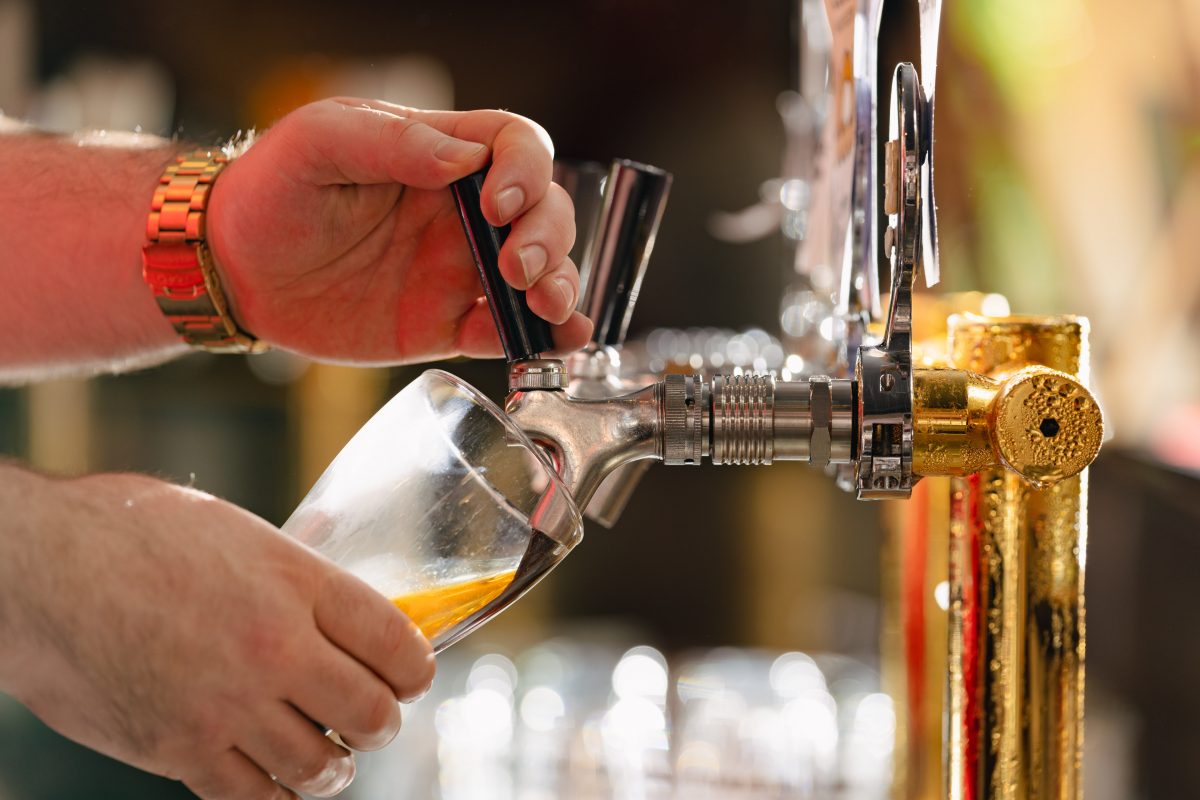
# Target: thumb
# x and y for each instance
(357, 144)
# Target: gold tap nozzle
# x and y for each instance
(1040, 423)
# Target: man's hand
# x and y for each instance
(336, 235)
(178, 633)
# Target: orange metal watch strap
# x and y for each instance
(176, 261)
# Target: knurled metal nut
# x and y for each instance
(539, 380)
(679, 442)
(526, 375)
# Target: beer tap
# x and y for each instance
(612, 255)
(881, 422)
(890, 422)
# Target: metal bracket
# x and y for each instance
(884, 373)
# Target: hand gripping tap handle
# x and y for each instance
(522, 333)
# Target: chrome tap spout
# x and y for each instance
(588, 439)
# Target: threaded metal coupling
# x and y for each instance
(754, 419)
(743, 419)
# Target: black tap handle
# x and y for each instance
(522, 333)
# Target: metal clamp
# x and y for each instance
(884, 373)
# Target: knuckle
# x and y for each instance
(308, 114)
(398, 636)
(398, 130)
(527, 126)
(209, 730)
(562, 197)
(379, 714)
(522, 131)
(566, 269)
(417, 680)
(563, 207)
(426, 669)
(331, 597)
(202, 732)
(266, 647)
(565, 213)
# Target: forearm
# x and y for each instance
(72, 224)
(25, 499)
(50, 538)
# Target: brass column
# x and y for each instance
(915, 577)
(1017, 556)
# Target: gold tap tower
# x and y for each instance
(1018, 543)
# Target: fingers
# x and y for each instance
(522, 165)
(342, 694)
(477, 336)
(521, 150)
(572, 334)
(356, 143)
(553, 297)
(534, 257)
(368, 627)
(539, 240)
(351, 140)
(233, 776)
(289, 746)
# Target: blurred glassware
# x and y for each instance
(443, 505)
(753, 723)
(107, 96)
(587, 717)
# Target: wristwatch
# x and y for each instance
(177, 263)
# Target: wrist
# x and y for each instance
(178, 263)
(221, 205)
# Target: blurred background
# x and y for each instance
(731, 609)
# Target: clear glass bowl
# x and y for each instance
(443, 505)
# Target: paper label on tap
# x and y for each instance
(823, 250)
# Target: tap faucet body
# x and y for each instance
(1040, 423)
(589, 438)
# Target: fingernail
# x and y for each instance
(415, 697)
(533, 261)
(567, 291)
(449, 149)
(348, 769)
(334, 778)
(509, 202)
